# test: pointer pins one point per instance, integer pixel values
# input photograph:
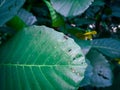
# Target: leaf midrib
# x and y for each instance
(30, 65)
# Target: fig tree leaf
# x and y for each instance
(40, 58)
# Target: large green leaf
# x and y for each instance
(108, 46)
(39, 58)
(70, 7)
(8, 8)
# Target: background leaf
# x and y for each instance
(21, 19)
(8, 9)
(84, 44)
(88, 75)
(101, 75)
(116, 11)
(5, 33)
(98, 3)
(70, 7)
(42, 14)
(27, 17)
(20, 24)
(108, 46)
(40, 58)
(57, 19)
(2, 2)
(116, 81)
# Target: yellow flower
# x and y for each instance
(86, 35)
(118, 60)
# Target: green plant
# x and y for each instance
(58, 44)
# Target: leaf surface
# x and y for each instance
(39, 58)
(108, 46)
(27, 17)
(70, 7)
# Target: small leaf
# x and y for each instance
(70, 7)
(22, 19)
(57, 19)
(27, 17)
(16, 23)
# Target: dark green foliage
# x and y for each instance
(93, 24)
